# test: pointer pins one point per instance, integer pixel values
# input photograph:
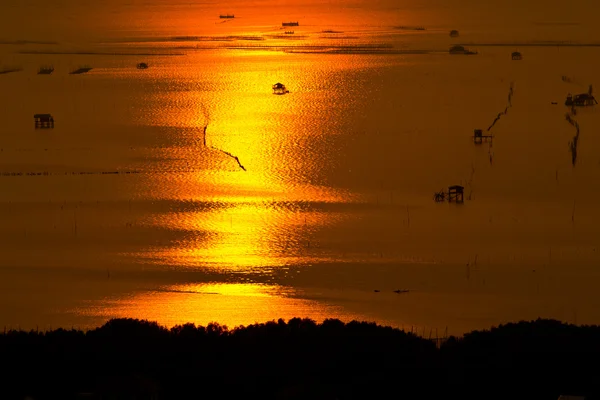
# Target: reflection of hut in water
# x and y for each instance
(458, 49)
(516, 55)
(454, 33)
(279, 88)
(43, 121)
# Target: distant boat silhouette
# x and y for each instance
(454, 33)
(401, 291)
(290, 23)
(142, 66)
(7, 70)
(226, 16)
(81, 70)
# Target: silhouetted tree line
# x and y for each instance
(299, 359)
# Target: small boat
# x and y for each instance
(81, 70)
(516, 56)
(399, 291)
(454, 33)
(142, 66)
(46, 70)
(226, 16)
(289, 32)
(290, 23)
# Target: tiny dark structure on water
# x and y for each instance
(46, 70)
(516, 56)
(455, 194)
(454, 33)
(226, 16)
(279, 88)
(289, 32)
(479, 137)
(43, 121)
(142, 66)
(290, 23)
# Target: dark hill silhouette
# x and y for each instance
(299, 359)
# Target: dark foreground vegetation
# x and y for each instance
(299, 359)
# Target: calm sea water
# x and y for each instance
(123, 210)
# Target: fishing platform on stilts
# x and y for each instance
(455, 194)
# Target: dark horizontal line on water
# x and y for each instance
(97, 53)
(134, 172)
(13, 42)
(179, 291)
(557, 23)
(534, 44)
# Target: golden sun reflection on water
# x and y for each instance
(245, 236)
(228, 304)
(263, 220)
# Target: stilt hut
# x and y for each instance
(516, 55)
(581, 100)
(479, 137)
(43, 121)
(454, 33)
(279, 88)
(456, 194)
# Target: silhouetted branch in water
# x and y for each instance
(223, 151)
(510, 95)
(573, 143)
(232, 156)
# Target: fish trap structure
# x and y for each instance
(43, 121)
(455, 194)
(479, 137)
